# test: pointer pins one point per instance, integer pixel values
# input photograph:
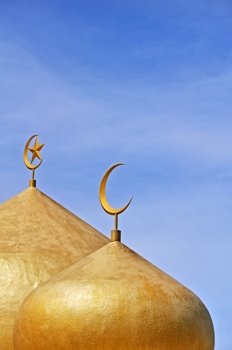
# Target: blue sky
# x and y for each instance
(144, 83)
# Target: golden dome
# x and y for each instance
(39, 238)
(113, 299)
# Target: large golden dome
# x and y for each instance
(113, 300)
(39, 238)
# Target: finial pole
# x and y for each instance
(115, 221)
(32, 182)
(116, 234)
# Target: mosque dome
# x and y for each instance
(113, 299)
(39, 239)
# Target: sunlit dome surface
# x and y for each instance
(113, 299)
(39, 238)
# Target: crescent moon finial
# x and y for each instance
(35, 154)
(115, 234)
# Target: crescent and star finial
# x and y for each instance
(35, 154)
(115, 234)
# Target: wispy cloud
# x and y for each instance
(150, 87)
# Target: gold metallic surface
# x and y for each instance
(115, 235)
(32, 183)
(36, 150)
(104, 203)
(39, 238)
(113, 300)
(35, 154)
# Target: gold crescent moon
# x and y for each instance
(25, 156)
(102, 194)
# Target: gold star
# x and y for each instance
(36, 150)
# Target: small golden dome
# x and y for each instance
(113, 299)
(39, 238)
